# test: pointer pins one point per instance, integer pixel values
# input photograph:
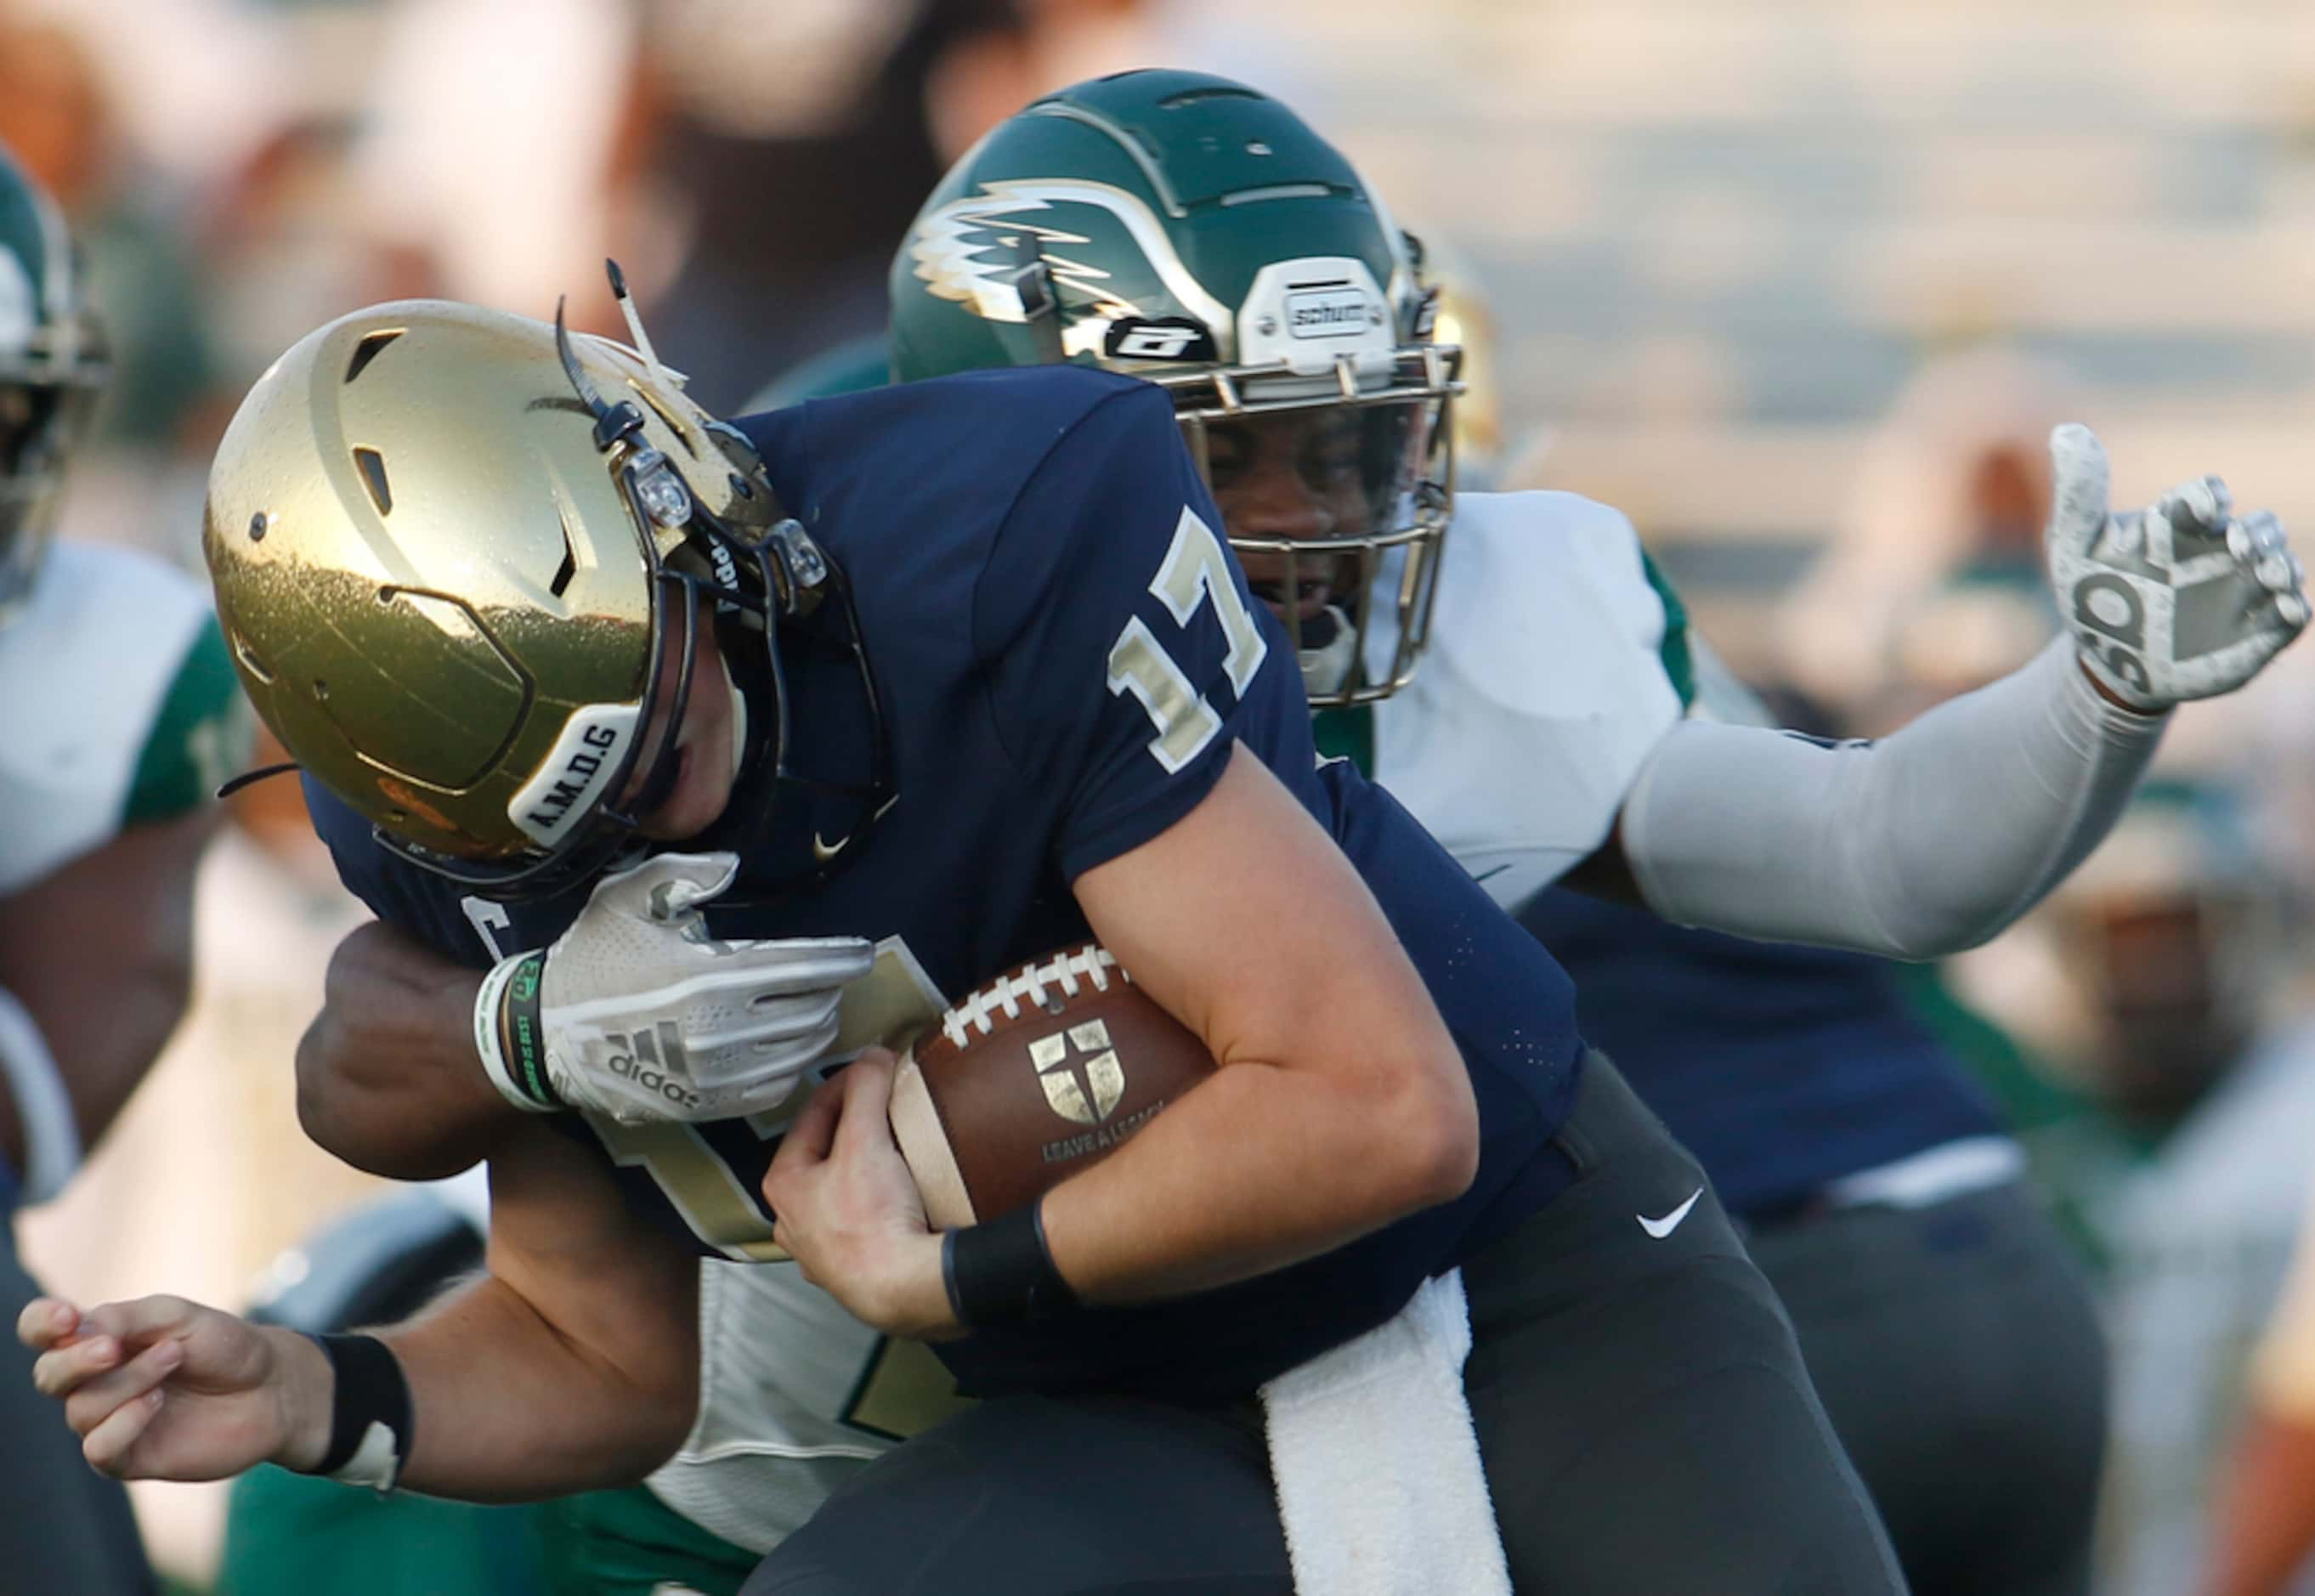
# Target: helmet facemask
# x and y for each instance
(1196, 233)
(54, 362)
(1373, 445)
(44, 409)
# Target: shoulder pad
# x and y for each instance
(87, 669)
(1542, 693)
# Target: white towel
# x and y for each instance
(1376, 1464)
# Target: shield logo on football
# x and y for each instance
(1083, 1081)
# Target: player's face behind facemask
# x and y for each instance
(53, 364)
(1308, 498)
(706, 743)
(1206, 240)
(36, 421)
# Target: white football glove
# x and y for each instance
(637, 1012)
(2177, 602)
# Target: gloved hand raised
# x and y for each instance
(2177, 602)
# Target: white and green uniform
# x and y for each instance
(122, 709)
(1883, 1198)
(1554, 669)
(795, 1397)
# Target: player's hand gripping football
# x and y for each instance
(2177, 602)
(849, 1210)
(638, 1012)
(164, 1388)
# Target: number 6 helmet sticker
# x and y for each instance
(1161, 338)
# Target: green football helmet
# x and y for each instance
(52, 365)
(1195, 233)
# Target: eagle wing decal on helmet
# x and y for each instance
(969, 250)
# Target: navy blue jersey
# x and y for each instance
(1782, 1068)
(1067, 653)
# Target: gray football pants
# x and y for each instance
(1959, 1354)
(1642, 1409)
(63, 1526)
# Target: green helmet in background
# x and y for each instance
(1195, 233)
(52, 365)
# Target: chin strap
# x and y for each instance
(52, 1149)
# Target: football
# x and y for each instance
(1034, 1077)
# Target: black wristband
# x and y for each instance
(1001, 1271)
(371, 1392)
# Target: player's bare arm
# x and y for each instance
(1935, 839)
(572, 1365)
(416, 1064)
(104, 1018)
(388, 1076)
(1342, 1104)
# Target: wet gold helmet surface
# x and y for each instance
(444, 559)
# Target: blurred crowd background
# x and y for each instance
(1799, 285)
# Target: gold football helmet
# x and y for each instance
(448, 544)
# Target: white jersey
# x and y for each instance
(89, 670)
(1542, 691)
(1544, 676)
(797, 1396)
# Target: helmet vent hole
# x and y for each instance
(1204, 91)
(250, 663)
(368, 350)
(373, 471)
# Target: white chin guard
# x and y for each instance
(1328, 670)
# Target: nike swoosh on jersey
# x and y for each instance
(1664, 1226)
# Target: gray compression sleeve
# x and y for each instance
(1922, 844)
